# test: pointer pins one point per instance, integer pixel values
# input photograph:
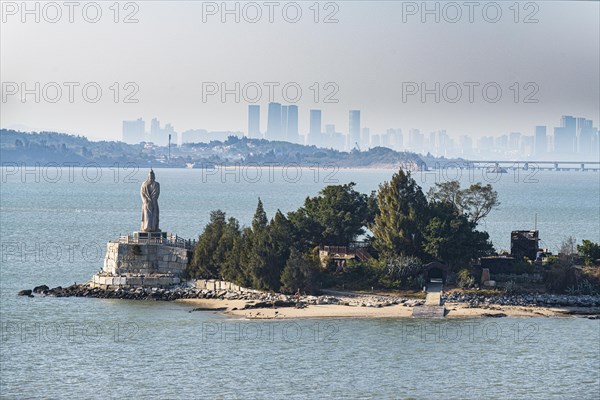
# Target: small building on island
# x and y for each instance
(340, 255)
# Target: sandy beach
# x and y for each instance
(453, 310)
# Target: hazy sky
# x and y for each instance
(370, 54)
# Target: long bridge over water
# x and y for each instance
(497, 165)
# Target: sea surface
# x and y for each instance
(54, 225)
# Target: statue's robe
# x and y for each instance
(149, 192)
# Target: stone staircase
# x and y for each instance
(432, 307)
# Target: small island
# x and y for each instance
(397, 252)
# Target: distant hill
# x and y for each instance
(47, 147)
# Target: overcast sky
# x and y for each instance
(374, 51)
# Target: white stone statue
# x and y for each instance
(150, 191)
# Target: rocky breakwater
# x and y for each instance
(254, 299)
(527, 300)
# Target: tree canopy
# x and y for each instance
(476, 201)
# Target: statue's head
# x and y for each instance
(151, 175)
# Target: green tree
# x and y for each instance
(452, 238)
(259, 221)
(336, 216)
(589, 250)
(299, 273)
(476, 201)
(213, 246)
(402, 212)
(234, 267)
(257, 249)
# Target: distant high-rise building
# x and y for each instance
(134, 131)
(365, 138)
(416, 141)
(330, 129)
(314, 133)
(444, 143)
(501, 142)
(466, 145)
(514, 141)
(565, 137)
(540, 141)
(585, 136)
(375, 140)
(354, 128)
(274, 122)
(387, 139)
(292, 124)
(485, 144)
(254, 121)
(154, 127)
(195, 136)
(398, 141)
(170, 131)
(160, 136)
(284, 123)
(432, 142)
(527, 145)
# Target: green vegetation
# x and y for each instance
(590, 251)
(402, 212)
(408, 230)
(335, 217)
(300, 273)
(475, 202)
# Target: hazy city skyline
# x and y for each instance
(575, 137)
(377, 58)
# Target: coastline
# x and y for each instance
(265, 305)
(234, 308)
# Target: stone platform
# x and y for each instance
(153, 259)
(429, 312)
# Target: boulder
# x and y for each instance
(26, 292)
(40, 289)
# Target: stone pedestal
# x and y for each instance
(154, 259)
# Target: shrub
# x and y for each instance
(560, 277)
(465, 279)
(589, 250)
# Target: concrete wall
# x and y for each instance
(104, 282)
(122, 258)
(213, 284)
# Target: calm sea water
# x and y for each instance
(54, 229)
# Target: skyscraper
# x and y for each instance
(284, 123)
(134, 131)
(365, 138)
(540, 141)
(254, 121)
(398, 139)
(585, 136)
(274, 122)
(415, 140)
(565, 138)
(292, 124)
(354, 128)
(154, 127)
(314, 133)
(514, 141)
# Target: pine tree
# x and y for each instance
(401, 215)
(209, 252)
(299, 273)
(257, 244)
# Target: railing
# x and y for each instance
(169, 240)
(358, 249)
